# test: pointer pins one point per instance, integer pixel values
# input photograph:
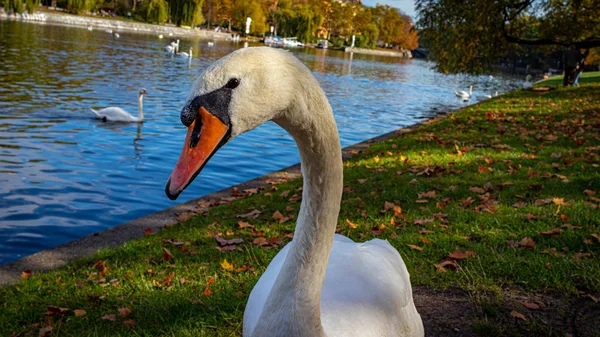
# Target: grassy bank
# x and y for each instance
(500, 198)
(557, 81)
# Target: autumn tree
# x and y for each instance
(186, 12)
(470, 35)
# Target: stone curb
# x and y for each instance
(89, 245)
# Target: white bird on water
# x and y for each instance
(463, 94)
(184, 54)
(320, 284)
(160, 36)
(116, 114)
(484, 97)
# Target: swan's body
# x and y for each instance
(210, 44)
(116, 114)
(463, 94)
(184, 54)
(160, 36)
(484, 97)
(316, 286)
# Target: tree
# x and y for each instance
(243, 9)
(469, 35)
(186, 12)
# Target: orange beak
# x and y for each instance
(194, 155)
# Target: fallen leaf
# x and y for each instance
(376, 159)
(422, 221)
(124, 312)
(362, 181)
(528, 305)
(259, 241)
(554, 231)
(225, 242)
(540, 202)
(280, 217)
(527, 243)
(593, 298)
(351, 224)
(207, 291)
(564, 217)
(517, 314)
(519, 204)
(130, 323)
(458, 255)
(596, 236)
(425, 241)
(167, 256)
(109, 317)
(398, 211)
(226, 265)
(415, 247)
(430, 194)
(448, 263)
(387, 206)
(79, 312)
(589, 192)
(560, 201)
(477, 190)
(254, 214)
(27, 273)
(46, 331)
(148, 231)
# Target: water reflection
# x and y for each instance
(64, 175)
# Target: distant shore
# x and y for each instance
(90, 22)
(379, 52)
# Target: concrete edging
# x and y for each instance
(89, 245)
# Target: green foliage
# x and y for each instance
(301, 23)
(153, 11)
(368, 39)
(186, 12)
(31, 5)
(338, 42)
(80, 6)
(14, 6)
(253, 9)
(468, 36)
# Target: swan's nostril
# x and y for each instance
(188, 114)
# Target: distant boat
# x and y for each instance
(291, 42)
(322, 44)
(273, 41)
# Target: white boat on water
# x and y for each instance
(322, 44)
(292, 42)
(273, 41)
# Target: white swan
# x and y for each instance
(319, 285)
(184, 54)
(484, 97)
(116, 114)
(463, 94)
(210, 44)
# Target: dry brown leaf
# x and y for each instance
(593, 298)
(564, 217)
(415, 247)
(124, 312)
(589, 192)
(422, 221)
(148, 231)
(45, 331)
(351, 224)
(517, 314)
(458, 255)
(167, 256)
(519, 204)
(387, 206)
(224, 242)
(398, 211)
(109, 317)
(477, 190)
(596, 236)
(527, 242)
(27, 273)
(253, 214)
(425, 241)
(554, 231)
(362, 181)
(243, 224)
(130, 323)
(448, 263)
(429, 194)
(528, 305)
(79, 312)
(540, 202)
(259, 241)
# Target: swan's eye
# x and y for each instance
(232, 83)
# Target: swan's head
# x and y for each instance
(142, 92)
(235, 94)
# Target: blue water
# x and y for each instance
(64, 175)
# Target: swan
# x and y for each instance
(184, 54)
(320, 284)
(210, 44)
(463, 94)
(116, 114)
(484, 97)
(170, 48)
(160, 36)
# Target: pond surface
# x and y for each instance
(64, 175)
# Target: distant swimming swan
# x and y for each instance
(116, 114)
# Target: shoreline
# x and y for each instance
(378, 52)
(88, 22)
(89, 245)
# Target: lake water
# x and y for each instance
(64, 175)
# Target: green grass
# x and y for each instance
(557, 81)
(517, 148)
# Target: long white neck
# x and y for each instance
(293, 306)
(140, 107)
